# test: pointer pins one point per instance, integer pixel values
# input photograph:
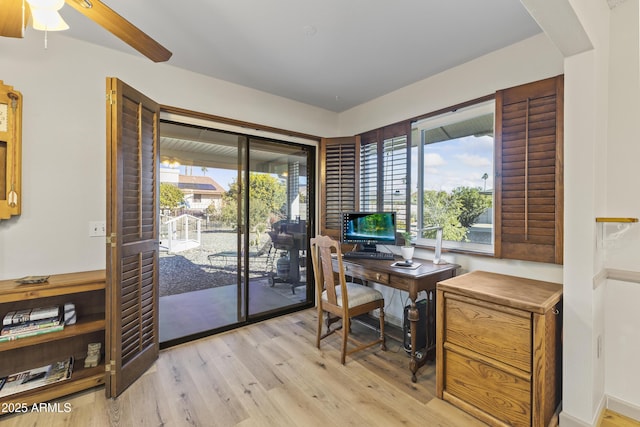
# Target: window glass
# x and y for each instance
(452, 178)
(395, 178)
(392, 179)
(369, 177)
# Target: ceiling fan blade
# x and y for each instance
(13, 18)
(121, 28)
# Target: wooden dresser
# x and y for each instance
(498, 348)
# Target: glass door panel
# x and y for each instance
(278, 218)
(201, 280)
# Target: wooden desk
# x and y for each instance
(413, 281)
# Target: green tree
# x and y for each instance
(472, 204)
(267, 198)
(170, 196)
(213, 212)
(441, 208)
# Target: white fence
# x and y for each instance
(180, 233)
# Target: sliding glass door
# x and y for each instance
(234, 229)
(278, 200)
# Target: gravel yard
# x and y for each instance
(191, 270)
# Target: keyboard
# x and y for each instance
(369, 255)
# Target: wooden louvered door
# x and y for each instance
(529, 171)
(339, 181)
(132, 229)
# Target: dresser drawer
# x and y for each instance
(494, 331)
(502, 395)
(364, 273)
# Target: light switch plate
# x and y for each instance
(97, 228)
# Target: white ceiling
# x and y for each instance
(334, 54)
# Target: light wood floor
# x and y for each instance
(613, 419)
(267, 374)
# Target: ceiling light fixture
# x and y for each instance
(171, 163)
(45, 15)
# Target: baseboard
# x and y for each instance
(566, 420)
(623, 408)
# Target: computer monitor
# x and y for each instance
(369, 229)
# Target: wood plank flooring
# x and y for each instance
(266, 374)
(269, 374)
(613, 419)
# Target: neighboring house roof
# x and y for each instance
(199, 185)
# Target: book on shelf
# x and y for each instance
(34, 378)
(31, 333)
(30, 314)
(33, 325)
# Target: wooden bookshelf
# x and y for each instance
(86, 290)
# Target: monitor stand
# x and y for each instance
(364, 247)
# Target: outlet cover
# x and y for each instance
(97, 228)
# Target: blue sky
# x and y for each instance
(457, 163)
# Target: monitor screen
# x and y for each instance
(369, 228)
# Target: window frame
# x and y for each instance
(452, 115)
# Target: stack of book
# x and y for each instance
(38, 377)
(31, 322)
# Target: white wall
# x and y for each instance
(622, 343)
(582, 374)
(622, 321)
(64, 144)
(623, 150)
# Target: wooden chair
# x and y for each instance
(341, 299)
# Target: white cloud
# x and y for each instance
(431, 171)
(473, 161)
(433, 160)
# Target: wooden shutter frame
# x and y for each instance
(528, 251)
(141, 312)
(349, 199)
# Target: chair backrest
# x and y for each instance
(322, 248)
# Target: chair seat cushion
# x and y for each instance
(358, 294)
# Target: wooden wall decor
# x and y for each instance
(10, 151)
